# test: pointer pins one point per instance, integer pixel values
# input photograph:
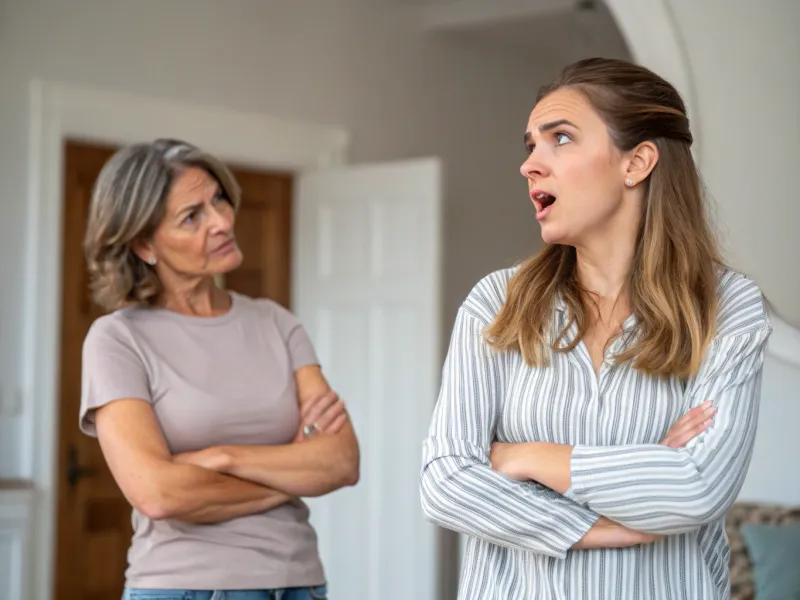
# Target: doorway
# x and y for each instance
(93, 517)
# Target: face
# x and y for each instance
(195, 237)
(575, 174)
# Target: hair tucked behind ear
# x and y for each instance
(673, 281)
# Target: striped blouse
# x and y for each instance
(520, 533)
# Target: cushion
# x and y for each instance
(741, 569)
(775, 554)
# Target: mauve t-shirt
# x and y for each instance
(211, 381)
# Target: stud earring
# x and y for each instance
(151, 262)
(629, 181)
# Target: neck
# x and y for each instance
(605, 257)
(603, 269)
(197, 297)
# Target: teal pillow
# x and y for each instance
(774, 552)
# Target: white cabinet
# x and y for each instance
(16, 507)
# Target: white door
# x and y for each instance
(367, 277)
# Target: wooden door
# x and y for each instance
(263, 232)
(94, 524)
(93, 517)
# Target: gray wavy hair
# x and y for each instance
(128, 203)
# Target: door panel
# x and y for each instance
(263, 229)
(93, 517)
(368, 276)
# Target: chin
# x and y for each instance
(552, 234)
(228, 263)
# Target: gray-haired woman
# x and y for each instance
(210, 407)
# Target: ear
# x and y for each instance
(144, 250)
(641, 161)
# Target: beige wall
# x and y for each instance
(745, 62)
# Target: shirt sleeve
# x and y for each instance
(665, 490)
(298, 343)
(111, 369)
(459, 489)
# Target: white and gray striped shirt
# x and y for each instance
(520, 534)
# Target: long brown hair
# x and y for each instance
(672, 285)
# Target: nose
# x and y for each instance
(221, 220)
(534, 168)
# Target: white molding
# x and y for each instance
(62, 110)
(655, 41)
(16, 508)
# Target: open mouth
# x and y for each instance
(543, 202)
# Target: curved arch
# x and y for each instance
(655, 41)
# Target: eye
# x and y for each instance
(562, 138)
(190, 218)
(529, 148)
(220, 197)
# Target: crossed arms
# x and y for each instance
(653, 488)
(222, 483)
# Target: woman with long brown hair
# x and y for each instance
(599, 401)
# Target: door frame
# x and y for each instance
(67, 110)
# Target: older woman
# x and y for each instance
(210, 407)
(599, 401)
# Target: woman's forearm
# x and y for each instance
(543, 462)
(549, 464)
(311, 468)
(196, 495)
(605, 533)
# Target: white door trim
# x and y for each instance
(16, 520)
(66, 110)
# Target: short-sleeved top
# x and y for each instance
(211, 381)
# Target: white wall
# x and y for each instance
(745, 62)
(773, 476)
(367, 68)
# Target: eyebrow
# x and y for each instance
(197, 205)
(188, 208)
(548, 126)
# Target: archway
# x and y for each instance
(654, 40)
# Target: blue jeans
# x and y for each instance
(319, 592)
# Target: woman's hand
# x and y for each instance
(689, 426)
(608, 534)
(547, 463)
(510, 460)
(325, 413)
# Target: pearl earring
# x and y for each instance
(629, 181)
(151, 261)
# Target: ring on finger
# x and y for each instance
(311, 430)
